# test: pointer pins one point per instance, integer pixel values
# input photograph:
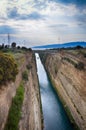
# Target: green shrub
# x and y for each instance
(25, 75)
(85, 55)
(15, 110)
(29, 66)
(8, 68)
(80, 66)
(69, 60)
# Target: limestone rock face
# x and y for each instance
(31, 113)
(7, 92)
(69, 82)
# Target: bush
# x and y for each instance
(29, 66)
(85, 55)
(13, 45)
(25, 75)
(8, 68)
(69, 60)
(80, 66)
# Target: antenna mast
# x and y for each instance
(8, 39)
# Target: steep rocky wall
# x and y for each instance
(70, 84)
(31, 113)
(35, 107)
(7, 92)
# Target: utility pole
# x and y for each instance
(8, 39)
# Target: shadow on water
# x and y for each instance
(55, 117)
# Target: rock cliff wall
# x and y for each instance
(7, 92)
(70, 84)
(31, 109)
(31, 113)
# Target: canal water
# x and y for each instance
(55, 117)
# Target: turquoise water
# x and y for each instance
(55, 117)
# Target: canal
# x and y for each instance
(55, 117)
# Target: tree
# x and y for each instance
(30, 49)
(18, 47)
(79, 47)
(24, 48)
(6, 46)
(13, 45)
(2, 46)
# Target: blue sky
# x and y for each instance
(39, 22)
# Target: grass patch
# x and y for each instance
(15, 110)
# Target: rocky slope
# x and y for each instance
(31, 113)
(67, 71)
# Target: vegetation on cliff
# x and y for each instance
(25, 75)
(15, 110)
(8, 68)
(79, 65)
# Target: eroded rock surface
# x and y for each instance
(31, 113)
(69, 82)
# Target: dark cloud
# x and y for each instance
(7, 29)
(13, 14)
(81, 18)
(77, 2)
(33, 15)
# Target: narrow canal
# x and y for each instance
(54, 114)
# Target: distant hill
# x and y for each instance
(65, 45)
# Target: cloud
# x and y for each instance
(81, 18)
(77, 2)
(35, 15)
(7, 29)
(32, 16)
(40, 4)
(58, 25)
(14, 14)
(43, 21)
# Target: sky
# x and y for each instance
(39, 22)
